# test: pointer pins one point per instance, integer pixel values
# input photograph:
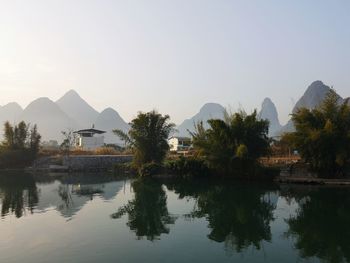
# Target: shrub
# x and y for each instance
(106, 151)
(149, 169)
(187, 167)
(15, 158)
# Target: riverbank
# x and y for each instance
(311, 180)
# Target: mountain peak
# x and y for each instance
(71, 94)
(269, 112)
(109, 110)
(12, 105)
(77, 108)
(211, 107)
(108, 120)
(206, 112)
(267, 101)
(10, 112)
(41, 100)
(313, 96)
(317, 87)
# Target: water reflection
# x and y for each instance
(321, 227)
(148, 214)
(67, 194)
(285, 223)
(17, 193)
(238, 215)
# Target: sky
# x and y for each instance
(173, 55)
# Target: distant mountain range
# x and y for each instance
(208, 111)
(312, 97)
(69, 112)
(73, 112)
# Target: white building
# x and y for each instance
(177, 144)
(89, 139)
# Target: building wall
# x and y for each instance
(91, 143)
(179, 144)
(173, 144)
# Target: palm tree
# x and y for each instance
(148, 137)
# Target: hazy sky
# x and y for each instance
(173, 55)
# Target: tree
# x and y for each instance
(69, 139)
(20, 146)
(322, 135)
(148, 137)
(15, 136)
(34, 139)
(239, 138)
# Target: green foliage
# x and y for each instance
(189, 166)
(322, 135)
(20, 146)
(149, 169)
(148, 137)
(238, 138)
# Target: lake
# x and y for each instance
(98, 218)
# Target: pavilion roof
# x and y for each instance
(94, 131)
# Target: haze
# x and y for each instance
(173, 55)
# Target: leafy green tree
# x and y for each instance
(147, 137)
(239, 138)
(322, 135)
(20, 145)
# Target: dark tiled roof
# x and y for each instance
(90, 131)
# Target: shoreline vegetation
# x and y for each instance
(235, 147)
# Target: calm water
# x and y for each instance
(100, 219)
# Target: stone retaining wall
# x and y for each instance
(94, 162)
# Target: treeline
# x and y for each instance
(229, 147)
(232, 146)
(20, 145)
(322, 136)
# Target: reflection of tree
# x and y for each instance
(64, 192)
(238, 216)
(322, 225)
(17, 192)
(147, 213)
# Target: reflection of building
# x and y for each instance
(68, 199)
(179, 143)
(89, 139)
